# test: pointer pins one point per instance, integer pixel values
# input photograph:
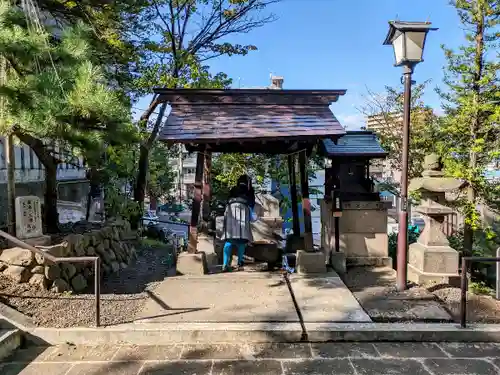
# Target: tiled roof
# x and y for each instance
(223, 116)
(355, 143)
(215, 122)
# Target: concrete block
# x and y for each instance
(338, 261)
(205, 244)
(420, 277)
(433, 259)
(363, 221)
(192, 264)
(365, 244)
(310, 262)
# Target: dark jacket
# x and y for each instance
(241, 191)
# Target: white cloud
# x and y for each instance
(351, 121)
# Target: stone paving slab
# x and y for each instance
(259, 359)
(250, 297)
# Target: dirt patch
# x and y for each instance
(375, 290)
(123, 294)
(480, 308)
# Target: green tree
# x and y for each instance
(470, 134)
(161, 175)
(226, 169)
(55, 95)
(111, 24)
(181, 35)
(386, 114)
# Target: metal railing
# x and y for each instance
(463, 282)
(52, 259)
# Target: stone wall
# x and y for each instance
(109, 243)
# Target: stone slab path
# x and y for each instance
(251, 297)
(259, 359)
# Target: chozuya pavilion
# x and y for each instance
(286, 122)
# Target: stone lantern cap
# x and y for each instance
(433, 179)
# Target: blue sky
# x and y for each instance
(337, 44)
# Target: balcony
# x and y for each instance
(188, 178)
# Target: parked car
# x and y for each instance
(158, 231)
(150, 217)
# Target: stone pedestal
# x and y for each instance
(431, 259)
(363, 232)
(310, 262)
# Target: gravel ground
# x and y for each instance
(123, 294)
(480, 308)
(375, 289)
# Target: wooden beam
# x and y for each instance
(306, 203)
(293, 194)
(195, 211)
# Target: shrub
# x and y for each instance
(413, 234)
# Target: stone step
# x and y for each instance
(10, 340)
(143, 333)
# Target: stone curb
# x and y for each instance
(169, 333)
(10, 340)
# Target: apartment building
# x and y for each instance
(29, 175)
(184, 167)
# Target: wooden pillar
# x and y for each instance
(293, 194)
(337, 233)
(207, 187)
(306, 203)
(10, 162)
(195, 211)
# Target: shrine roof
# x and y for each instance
(355, 143)
(248, 117)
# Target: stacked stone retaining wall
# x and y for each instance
(110, 244)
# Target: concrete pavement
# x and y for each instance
(245, 297)
(259, 359)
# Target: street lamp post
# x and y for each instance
(408, 41)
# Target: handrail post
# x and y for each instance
(463, 291)
(498, 276)
(97, 286)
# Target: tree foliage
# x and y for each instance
(386, 111)
(177, 37)
(54, 92)
(470, 133)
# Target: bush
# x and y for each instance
(413, 234)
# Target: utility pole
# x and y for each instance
(9, 156)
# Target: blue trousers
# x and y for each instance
(228, 251)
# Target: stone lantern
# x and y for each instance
(431, 259)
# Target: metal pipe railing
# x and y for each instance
(463, 284)
(88, 259)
